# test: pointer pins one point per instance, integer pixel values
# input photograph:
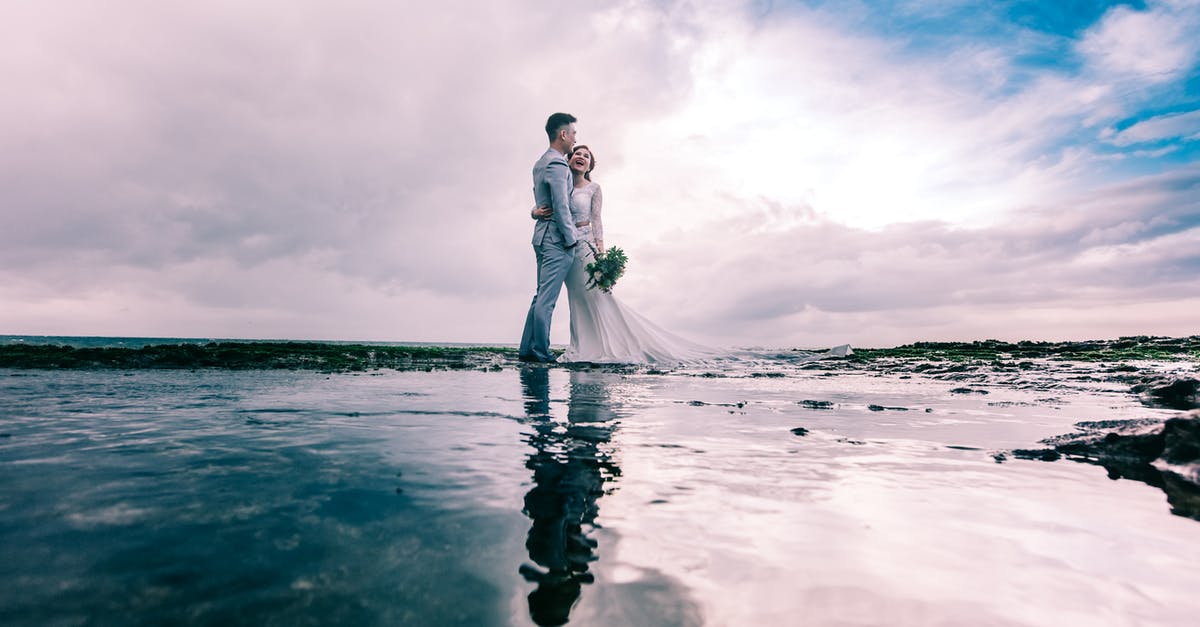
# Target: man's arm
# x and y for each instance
(559, 178)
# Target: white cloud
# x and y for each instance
(1151, 46)
(1107, 248)
(1184, 126)
(362, 171)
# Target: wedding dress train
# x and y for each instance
(604, 330)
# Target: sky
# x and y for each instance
(781, 174)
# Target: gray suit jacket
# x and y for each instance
(552, 188)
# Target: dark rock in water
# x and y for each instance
(1043, 454)
(1183, 496)
(1170, 393)
(1181, 441)
(1165, 455)
(967, 391)
(800, 431)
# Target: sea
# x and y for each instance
(749, 494)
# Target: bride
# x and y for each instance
(603, 330)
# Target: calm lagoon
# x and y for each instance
(518, 496)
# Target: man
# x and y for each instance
(554, 240)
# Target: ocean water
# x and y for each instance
(101, 341)
(531, 495)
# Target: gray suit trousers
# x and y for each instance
(553, 263)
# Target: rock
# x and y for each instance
(1181, 439)
(967, 391)
(1165, 455)
(1181, 447)
(1181, 393)
(800, 431)
(816, 404)
(1042, 454)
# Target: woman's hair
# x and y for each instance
(587, 175)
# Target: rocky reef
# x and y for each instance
(319, 356)
(1162, 454)
(964, 361)
(1120, 349)
(1169, 392)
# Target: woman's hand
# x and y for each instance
(541, 213)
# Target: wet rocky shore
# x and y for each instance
(961, 483)
(1160, 371)
(969, 360)
(317, 356)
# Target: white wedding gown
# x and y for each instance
(603, 330)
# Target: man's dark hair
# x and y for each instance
(556, 123)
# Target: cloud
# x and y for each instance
(1152, 46)
(360, 135)
(779, 174)
(1131, 242)
(1185, 126)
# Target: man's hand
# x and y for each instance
(541, 213)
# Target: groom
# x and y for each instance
(554, 240)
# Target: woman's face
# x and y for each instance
(581, 161)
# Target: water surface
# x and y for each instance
(537, 496)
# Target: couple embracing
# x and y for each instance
(567, 235)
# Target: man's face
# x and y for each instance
(569, 136)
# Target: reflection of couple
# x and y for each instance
(566, 236)
(570, 467)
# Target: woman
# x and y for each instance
(602, 329)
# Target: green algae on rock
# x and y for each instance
(1121, 349)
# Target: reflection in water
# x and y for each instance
(571, 463)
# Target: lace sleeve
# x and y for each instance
(597, 225)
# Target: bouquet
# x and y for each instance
(606, 268)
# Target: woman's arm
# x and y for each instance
(597, 225)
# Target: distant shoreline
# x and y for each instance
(116, 341)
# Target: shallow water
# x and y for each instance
(536, 495)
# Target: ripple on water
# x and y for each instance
(485, 498)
